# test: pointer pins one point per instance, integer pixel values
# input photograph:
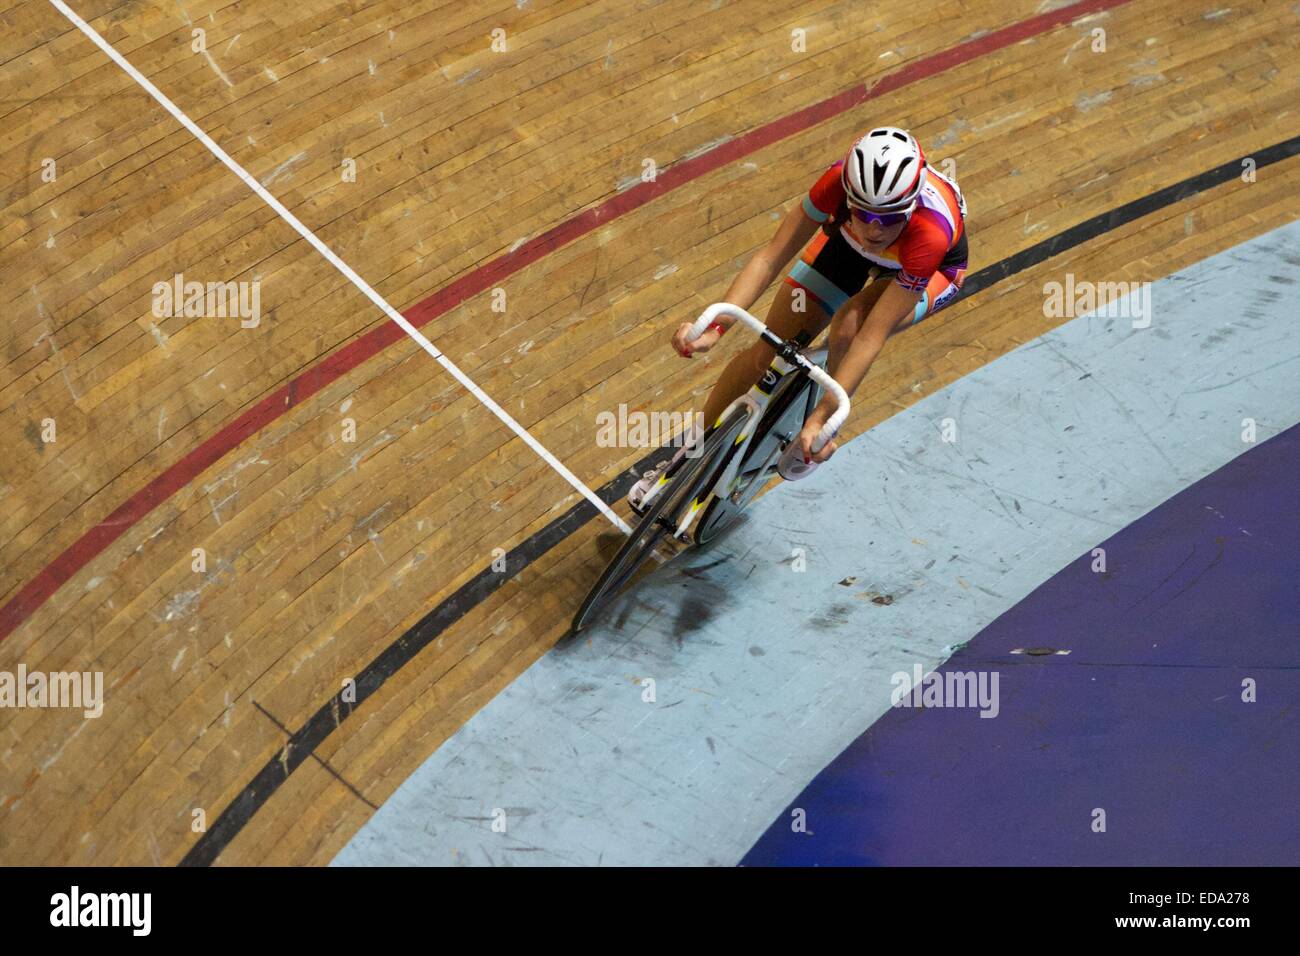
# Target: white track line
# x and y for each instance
(342, 266)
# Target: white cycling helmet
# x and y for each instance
(884, 171)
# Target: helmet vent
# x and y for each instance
(898, 174)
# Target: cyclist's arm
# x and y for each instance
(766, 264)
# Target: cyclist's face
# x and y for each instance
(875, 232)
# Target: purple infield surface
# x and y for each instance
(1145, 720)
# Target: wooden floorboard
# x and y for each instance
(320, 552)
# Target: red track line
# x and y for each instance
(86, 548)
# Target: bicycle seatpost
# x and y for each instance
(791, 353)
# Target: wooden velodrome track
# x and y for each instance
(477, 170)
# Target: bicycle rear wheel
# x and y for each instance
(660, 520)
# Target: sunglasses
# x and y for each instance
(885, 219)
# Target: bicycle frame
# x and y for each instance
(788, 358)
(761, 395)
(791, 353)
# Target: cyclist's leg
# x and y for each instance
(848, 318)
(845, 324)
(786, 320)
(822, 279)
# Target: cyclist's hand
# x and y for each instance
(808, 437)
(685, 348)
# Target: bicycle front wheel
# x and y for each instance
(691, 480)
(782, 421)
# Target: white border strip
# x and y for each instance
(341, 266)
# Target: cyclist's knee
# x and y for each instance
(842, 336)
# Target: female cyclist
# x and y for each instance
(890, 249)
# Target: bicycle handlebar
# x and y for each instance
(815, 371)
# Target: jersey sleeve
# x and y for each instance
(825, 196)
(921, 252)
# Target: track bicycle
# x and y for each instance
(705, 490)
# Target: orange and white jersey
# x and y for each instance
(932, 237)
